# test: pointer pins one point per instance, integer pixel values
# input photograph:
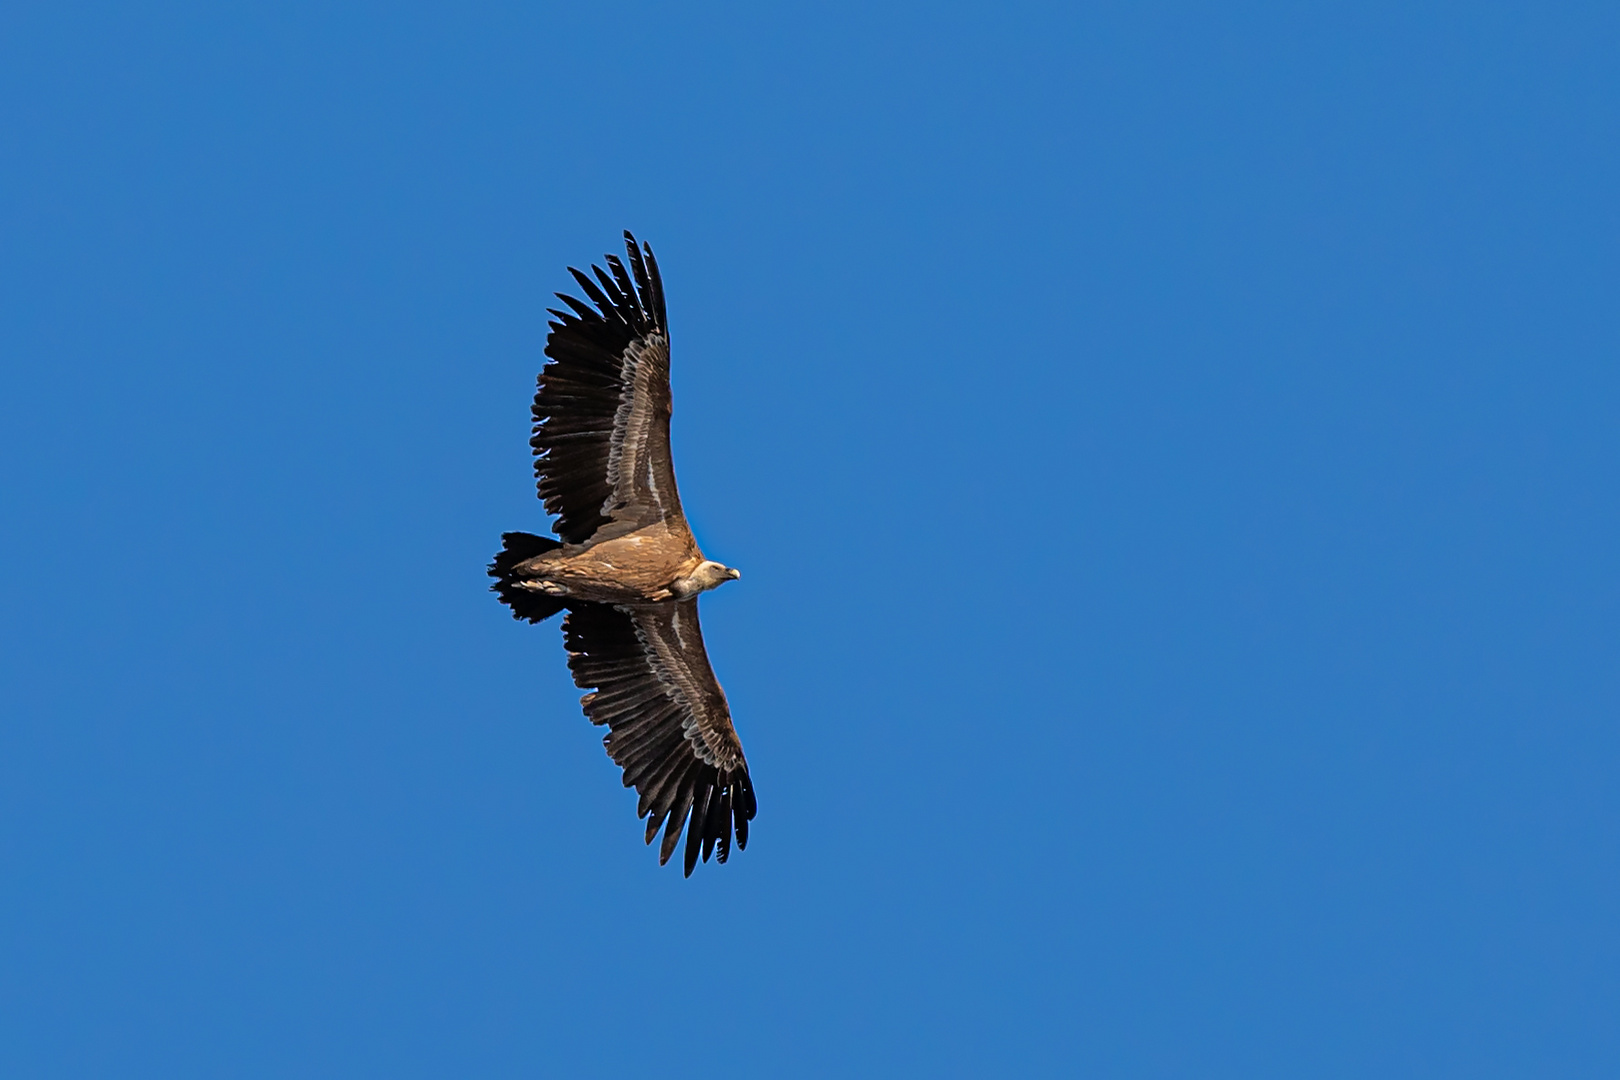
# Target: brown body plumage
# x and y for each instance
(652, 563)
(627, 567)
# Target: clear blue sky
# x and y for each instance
(1171, 451)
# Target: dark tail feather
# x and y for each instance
(525, 604)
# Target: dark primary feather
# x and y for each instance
(669, 727)
(582, 387)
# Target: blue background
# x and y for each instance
(1170, 449)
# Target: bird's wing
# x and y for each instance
(669, 724)
(601, 413)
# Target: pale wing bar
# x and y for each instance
(641, 474)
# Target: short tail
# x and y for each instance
(525, 603)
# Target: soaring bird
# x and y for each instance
(625, 566)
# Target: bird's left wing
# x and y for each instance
(602, 408)
(669, 724)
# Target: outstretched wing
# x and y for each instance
(669, 724)
(601, 413)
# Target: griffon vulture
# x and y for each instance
(627, 568)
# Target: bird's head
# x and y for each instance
(710, 573)
(707, 575)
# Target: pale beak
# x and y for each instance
(734, 572)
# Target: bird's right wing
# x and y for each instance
(669, 723)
